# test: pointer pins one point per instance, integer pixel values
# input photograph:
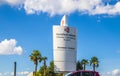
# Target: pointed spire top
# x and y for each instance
(64, 21)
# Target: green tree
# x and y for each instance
(41, 71)
(79, 65)
(94, 62)
(44, 59)
(51, 69)
(84, 62)
(35, 57)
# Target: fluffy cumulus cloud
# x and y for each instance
(60, 6)
(115, 72)
(8, 47)
(53, 7)
(91, 7)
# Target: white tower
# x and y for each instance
(64, 46)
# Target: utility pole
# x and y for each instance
(14, 68)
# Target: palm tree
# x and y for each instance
(84, 62)
(94, 62)
(79, 65)
(35, 57)
(44, 59)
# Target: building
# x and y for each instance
(64, 46)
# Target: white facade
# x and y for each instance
(64, 46)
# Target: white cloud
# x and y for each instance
(12, 2)
(108, 9)
(91, 7)
(12, 73)
(8, 47)
(0, 74)
(60, 7)
(115, 72)
(6, 73)
(23, 73)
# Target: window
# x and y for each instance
(77, 74)
(87, 74)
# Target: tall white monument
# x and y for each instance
(64, 46)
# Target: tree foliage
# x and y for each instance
(35, 57)
(45, 66)
(84, 62)
(49, 69)
(79, 65)
(94, 62)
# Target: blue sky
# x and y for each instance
(26, 25)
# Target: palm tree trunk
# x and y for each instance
(44, 68)
(93, 67)
(35, 69)
(84, 67)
